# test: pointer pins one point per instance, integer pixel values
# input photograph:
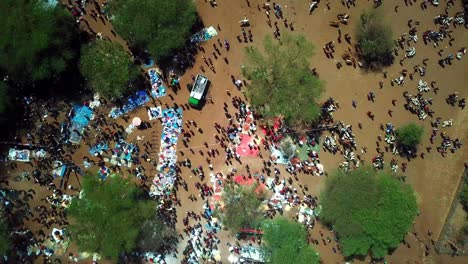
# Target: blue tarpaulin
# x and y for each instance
(204, 35)
(140, 98)
(98, 148)
(82, 115)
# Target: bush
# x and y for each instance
(409, 135)
(375, 39)
(370, 211)
(156, 236)
(464, 197)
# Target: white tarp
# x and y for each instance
(19, 155)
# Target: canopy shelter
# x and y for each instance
(19, 155)
(204, 35)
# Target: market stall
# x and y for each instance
(172, 127)
(138, 99)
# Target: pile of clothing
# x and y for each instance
(124, 154)
(157, 88)
(172, 127)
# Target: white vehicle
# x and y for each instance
(198, 91)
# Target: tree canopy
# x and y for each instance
(242, 207)
(286, 240)
(409, 135)
(464, 197)
(107, 67)
(4, 240)
(4, 98)
(280, 80)
(108, 217)
(35, 40)
(464, 192)
(160, 26)
(375, 39)
(370, 211)
(156, 235)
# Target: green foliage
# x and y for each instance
(375, 38)
(286, 240)
(409, 135)
(108, 218)
(287, 147)
(4, 240)
(464, 196)
(370, 211)
(4, 98)
(160, 26)
(35, 40)
(107, 67)
(155, 234)
(281, 82)
(242, 207)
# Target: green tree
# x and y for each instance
(375, 39)
(4, 240)
(107, 67)
(409, 135)
(281, 82)
(370, 211)
(107, 219)
(160, 26)
(241, 207)
(35, 39)
(464, 196)
(286, 240)
(156, 235)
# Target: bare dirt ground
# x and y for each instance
(434, 178)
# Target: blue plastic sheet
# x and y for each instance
(140, 98)
(204, 35)
(81, 117)
(98, 148)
